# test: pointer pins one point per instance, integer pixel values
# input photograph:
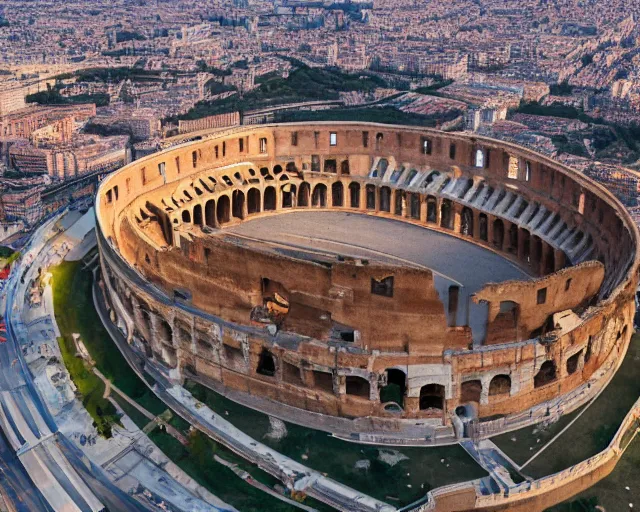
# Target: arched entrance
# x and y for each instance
(432, 397)
(253, 201)
(337, 194)
(396, 387)
(223, 210)
(269, 199)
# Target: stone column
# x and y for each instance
(423, 209)
(374, 391)
(363, 196)
(457, 217)
(339, 384)
(245, 207)
(484, 394)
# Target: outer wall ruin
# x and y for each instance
(245, 318)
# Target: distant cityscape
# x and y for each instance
(131, 334)
(87, 87)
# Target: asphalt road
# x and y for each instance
(31, 421)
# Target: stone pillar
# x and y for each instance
(476, 225)
(521, 246)
(215, 334)
(457, 217)
(330, 195)
(438, 211)
(423, 209)
(484, 394)
(363, 196)
(339, 384)
(245, 207)
(374, 391)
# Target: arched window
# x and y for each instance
(446, 214)
(288, 195)
(186, 216)
(385, 199)
(319, 198)
(396, 387)
(223, 209)
(269, 199)
(483, 227)
(337, 194)
(500, 385)
(304, 194)
(546, 374)
(432, 209)
(479, 158)
(466, 225)
(379, 139)
(471, 391)
(238, 204)
(354, 193)
(371, 197)
(357, 386)
(432, 397)
(197, 215)
(266, 364)
(210, 213)
(253, 201)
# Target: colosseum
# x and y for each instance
(386, 284)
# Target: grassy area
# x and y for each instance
(90, 387)
(75, 313)
(595, 429)
(522, 444)
(197, 461)
(302, 84)
(395, 475)
(610, 493)
(52, 96)
(387, 115)
(136, 416)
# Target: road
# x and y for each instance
(39, 450)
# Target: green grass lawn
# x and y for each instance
(595, 429)
(197, 461)
(611, 493)
(75, 312)
(68, 317)
(368, 469)
(522, 444)
(386, 115)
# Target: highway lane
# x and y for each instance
(30, 419)
(16, 485)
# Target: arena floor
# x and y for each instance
(452, 260)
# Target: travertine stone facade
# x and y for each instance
(328, 335)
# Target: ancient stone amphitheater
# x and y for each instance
(387, 284)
